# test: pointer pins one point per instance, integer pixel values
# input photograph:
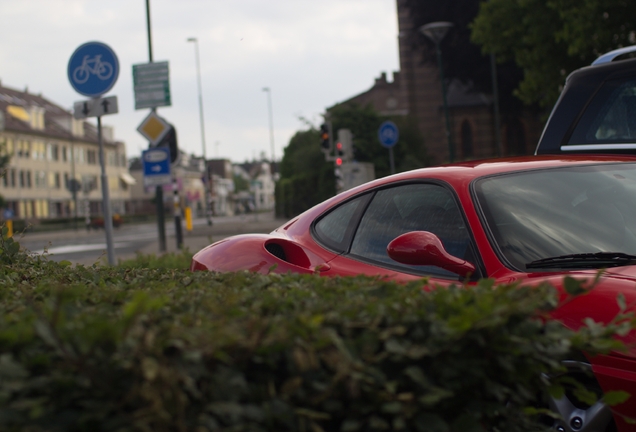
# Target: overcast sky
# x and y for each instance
(310, 53)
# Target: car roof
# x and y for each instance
(585, 108)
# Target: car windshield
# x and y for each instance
(561, 213)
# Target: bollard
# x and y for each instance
(9, 224)
(188, 218)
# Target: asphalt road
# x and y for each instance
(86, 247)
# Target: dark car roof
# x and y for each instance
(588, 96)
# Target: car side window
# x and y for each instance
(611, 115)
(334, 230)
(415, 207)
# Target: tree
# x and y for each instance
(549, 39)
(364, 122)
(306, 178)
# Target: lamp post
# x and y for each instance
(436, 31)
(207, 185)
(271, 121)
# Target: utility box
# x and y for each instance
(355, 174)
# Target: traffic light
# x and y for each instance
(170, 141)
(325, 140)
(339, 153)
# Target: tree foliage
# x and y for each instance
(550, 39)
(364, 122)
(308, 179)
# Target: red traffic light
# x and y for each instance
(339, 146)
(338, 161)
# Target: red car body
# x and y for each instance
(588, 135)
(304, 255)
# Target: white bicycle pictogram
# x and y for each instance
(102, 69)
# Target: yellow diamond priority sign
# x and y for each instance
(153, 128)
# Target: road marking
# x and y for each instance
(79, 248)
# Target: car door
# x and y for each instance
(382, 215)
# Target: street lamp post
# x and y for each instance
(436, 31)
(205, 159)
(271, 120)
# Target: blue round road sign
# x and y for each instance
(93, 69)
(388, 134)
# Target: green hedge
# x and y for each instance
(125, 348)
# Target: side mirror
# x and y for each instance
(425, 248)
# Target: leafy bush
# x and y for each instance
(180, 260)
(119, 349)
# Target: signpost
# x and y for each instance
(95, 107)
(154, 128)
(156, 165)
(92, 71)
(388, 134)
(152, 85)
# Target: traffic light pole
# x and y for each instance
(177, 212)
(161, 221)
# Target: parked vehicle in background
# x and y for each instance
(98, 222)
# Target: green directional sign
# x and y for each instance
(151, 82)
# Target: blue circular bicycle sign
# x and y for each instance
(93, 69)
(388, 134)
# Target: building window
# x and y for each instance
(79, 155)
(112, 158)
(467, 139)
(38, 150)
(65, 154)
(91, 157)
(24, 149)
(54, 180)
(40, 179)
(52, 152)
(25, 179)
(89, 183)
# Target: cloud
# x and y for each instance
(311, 54)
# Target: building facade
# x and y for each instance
(53, 169)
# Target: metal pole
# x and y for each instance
(148, 28)
(495, 96)
(108, 220)
(451, 150)
(161, 222)
(177, 212)
(271, 120)
(207, 186)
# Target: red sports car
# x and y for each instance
(530, 219)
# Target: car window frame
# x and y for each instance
(479, 265)
(343, 246)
